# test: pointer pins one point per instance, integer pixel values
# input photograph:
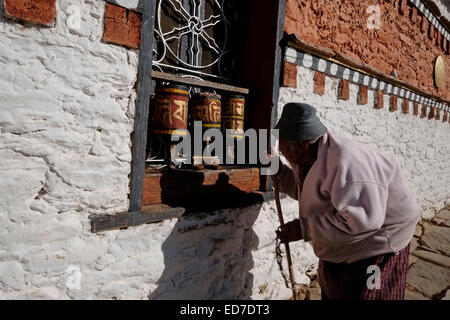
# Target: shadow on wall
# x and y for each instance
(208, 254)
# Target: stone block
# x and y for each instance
(405, 106)
(424, 24)
(414, 295)
(435, 258)
(423, 113)
(344, 90)
(289, 75)
(437, 238)
(427, 278)
(40, 12)
(379, 101)
(362, 94)
(319, 83)
(432, 113)
(438, 115)
(122, 26)
(415, 108)
(444, 214)
(393, 103)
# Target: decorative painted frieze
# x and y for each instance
(365, 81)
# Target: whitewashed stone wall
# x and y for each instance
(66, 114)
(420, 145)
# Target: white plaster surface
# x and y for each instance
(66, 114)
(418, 144)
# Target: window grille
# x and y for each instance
(198, 39)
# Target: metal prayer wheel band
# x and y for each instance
(211, 125)
(178, 132)
(233, 105)
(207, 107)
(171, 109)
(172, 90)
(233, 116)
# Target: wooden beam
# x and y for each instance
(148, 214)
(139, 137)
(265, 182)
(179, 187)
(197, 83)
(295, 41)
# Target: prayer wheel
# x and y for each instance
(233, 123)
(171, 110)
(206, 107)
(170, 114)
(233, 116)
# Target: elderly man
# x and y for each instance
(355, 208)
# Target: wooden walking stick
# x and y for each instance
(288, 251)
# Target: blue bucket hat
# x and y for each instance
(299, 122)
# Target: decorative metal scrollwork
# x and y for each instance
(192, 37)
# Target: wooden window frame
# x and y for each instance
(263, 45)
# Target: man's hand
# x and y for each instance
(290, 231)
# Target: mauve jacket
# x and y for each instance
(354, 203)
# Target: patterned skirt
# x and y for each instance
(381, 277)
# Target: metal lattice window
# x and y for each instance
(199, 38)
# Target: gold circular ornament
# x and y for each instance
(439, 71)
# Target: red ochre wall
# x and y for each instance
(403, 43)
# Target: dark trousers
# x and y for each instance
(349, 281)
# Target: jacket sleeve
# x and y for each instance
(359, 210)
(286, 181)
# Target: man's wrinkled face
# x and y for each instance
(298, 152)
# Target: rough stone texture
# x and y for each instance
(122, 26)
(414, 295)
(379, 100)
(444, 214)
(437, 221)
(431, 277)
(393, 104)
(413, 244)
(438, 115)
(428, 278)
(399, 43)
(418, 231)
(344, 90)
(416, 108)
(447, 295)
(420, 146)
(412, 259)
(405, 106)
(423, 113)
(319, 83)
(67, 113)
(37, 11)
(362, 94)
(437, 238)
(438, 259)
(289, 75)
(432, 113)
